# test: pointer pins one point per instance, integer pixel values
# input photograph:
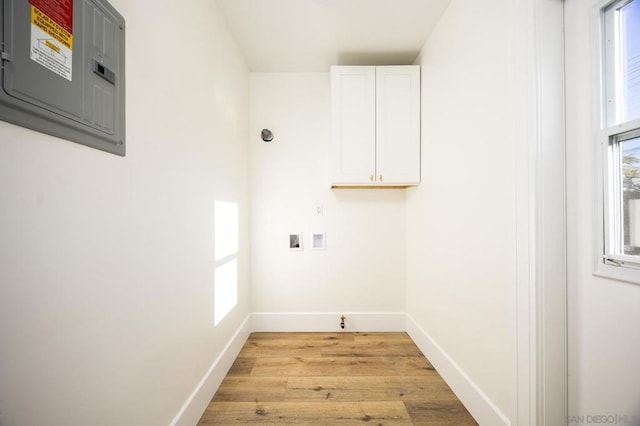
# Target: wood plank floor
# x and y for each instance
(334, 379)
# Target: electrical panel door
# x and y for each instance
(63, 70)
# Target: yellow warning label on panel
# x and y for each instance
(47, 25)
(51, 44)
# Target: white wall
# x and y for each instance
(604, 318)
(461, 226)
(363, 268)
(106, 263)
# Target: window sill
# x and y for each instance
(618, 273)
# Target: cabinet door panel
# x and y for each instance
(398, 124)
(353, 124)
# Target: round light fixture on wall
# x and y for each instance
(266, 135)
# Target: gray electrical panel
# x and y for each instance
(63, 70)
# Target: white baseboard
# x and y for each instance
(328, 321)
(199, 399)
(479, 405)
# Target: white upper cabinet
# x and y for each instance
(375, 126)
(398, 125)
(353, 123)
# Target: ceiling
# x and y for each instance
(311, 35)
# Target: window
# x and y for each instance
(620, 140)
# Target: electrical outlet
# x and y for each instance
(319, 209)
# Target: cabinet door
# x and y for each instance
(353, 122)
(398, 125)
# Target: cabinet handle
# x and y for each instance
(380, 178)
(371, 178)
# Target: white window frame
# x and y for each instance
(609, 262)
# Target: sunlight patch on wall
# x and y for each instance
(226, 289)
(226, 229)
(226, 259)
